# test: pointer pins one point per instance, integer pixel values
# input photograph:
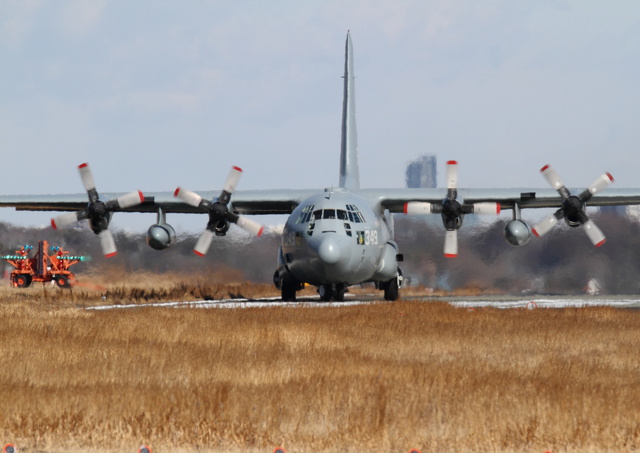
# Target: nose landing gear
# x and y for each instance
(335, 292)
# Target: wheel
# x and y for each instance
(62, 281)
(326, 293)
(277, 281)
(22, 280)
(339, 294)
(288, 289)
(391, 290)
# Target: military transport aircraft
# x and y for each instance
(340, 236)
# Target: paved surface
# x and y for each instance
(531, 302)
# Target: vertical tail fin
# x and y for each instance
(349, 172)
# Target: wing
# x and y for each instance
(485, 201)
(395, 199)
(252, 202)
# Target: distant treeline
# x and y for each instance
(564, 261)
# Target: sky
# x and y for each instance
(156, 95)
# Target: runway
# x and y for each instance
(547, 302)
(502, 302)
(312, 301)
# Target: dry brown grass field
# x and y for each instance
(380, 377)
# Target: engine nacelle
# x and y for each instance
(161, 236)
(517, 232)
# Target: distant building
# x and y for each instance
(421, 173)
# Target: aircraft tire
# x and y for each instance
(339, 294)
(288, 291)
(326, 293)
(391, 291)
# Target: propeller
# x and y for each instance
(98, 212)
(451, 210)
(573, 209)
(219, 214)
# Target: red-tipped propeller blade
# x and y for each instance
(107, 243)
(203, 243)
(486, 208)
(601, 183)
(251, 226)
(595, 235)
(191, 198)
(130, 199)
(417, 208)
(452, 174)
(552, 177)
(545, 225)
(232, 179)
(63, 220)
(86, 176)
(451, 244)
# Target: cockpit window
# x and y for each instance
(347, 228)
(305, 215)
(329, 214)
(354, 214)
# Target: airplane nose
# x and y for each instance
(328, 252)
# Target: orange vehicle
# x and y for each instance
(49, 264)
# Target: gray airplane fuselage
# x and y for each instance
(336, 238)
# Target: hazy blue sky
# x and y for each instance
(156, 94)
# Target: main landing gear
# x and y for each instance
(288, 289)
(392, 287)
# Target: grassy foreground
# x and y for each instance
(383, 377)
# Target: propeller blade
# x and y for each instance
(452, 174)
(203, 244)
(417, 208)
(486, 208)
(552, 177)
(65, 219)
(107, 243)
(601, 183)
(594, 233)
(191, 198)
(86, 176)
(130, 199)
(545, 225)
(573, 207)
(232, 179)
(451, 244)
(249, 225)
